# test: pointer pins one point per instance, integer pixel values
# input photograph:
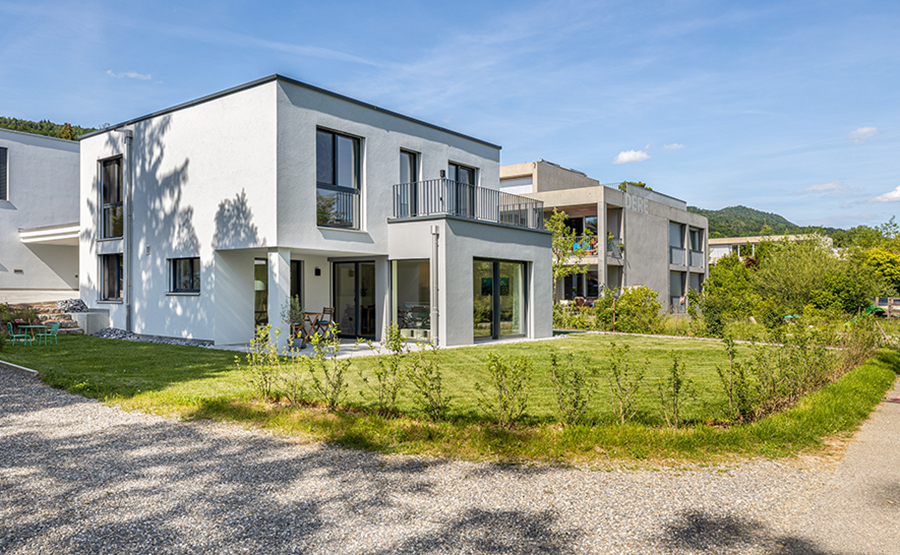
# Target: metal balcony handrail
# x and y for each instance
(455, 198)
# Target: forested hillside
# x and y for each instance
(740, 221)
(45, 127)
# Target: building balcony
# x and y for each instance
(443, 197)
(698, 259)
(614, 247)
(677, 256)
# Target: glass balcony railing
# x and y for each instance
(677, 256)
(698, 259)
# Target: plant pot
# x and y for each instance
(407, 333)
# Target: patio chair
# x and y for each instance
(52, 333)
(322, 324)
(13, 338)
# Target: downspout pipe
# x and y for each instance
(435, 333)
(129, 226)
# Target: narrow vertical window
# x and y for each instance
(4, 189)
(409, 188)
(337, 180)
(112, 220)
(111, 277)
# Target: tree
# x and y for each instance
(568, 249)
(886, 263)
(623, 186)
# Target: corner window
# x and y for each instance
(185, 275)
(111, 277)
(337, 180)
(4, 189)
(111, 218)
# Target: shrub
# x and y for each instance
(736, 384)
(328, 372)
(673, 389)
(388, 375)
(262, 363)
(424, 375)
(507, 399)
(637, 311)
(625, 378)
(574, 386)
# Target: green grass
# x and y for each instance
(202, 383)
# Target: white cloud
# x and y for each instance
(863, 133)
(830, 188)
(630, 156)
(673, 146)
(892, 196)
(129, 74)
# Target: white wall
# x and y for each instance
(42, 191)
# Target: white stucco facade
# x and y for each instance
(38, 218)
(231, 180)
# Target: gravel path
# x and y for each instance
(79, 477)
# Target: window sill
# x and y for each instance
(119, 238)
(342, 229)
(182, 294)
(109, 302)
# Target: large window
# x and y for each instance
(409, 176)
(4, 189)
(499, 299)
(411, 295)
(462, 203)
(111, 277)
(111, 224)
(462, 174)
(185, 275)
(337, 180)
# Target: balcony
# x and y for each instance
(438, 197)
(698, 259)
(588, 243)
(613, 250)
(677, 256)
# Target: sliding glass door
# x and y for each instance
(354, 298)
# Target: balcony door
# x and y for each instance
(354, 298)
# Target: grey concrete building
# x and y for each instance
(642, 237)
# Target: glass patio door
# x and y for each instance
(354, 298)
(499, 299)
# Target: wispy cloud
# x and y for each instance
(860, 135)
(835, 187)
(129, 74)
(627, 156)
(673, 146)
(892, 196)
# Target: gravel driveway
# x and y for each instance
(79, 477)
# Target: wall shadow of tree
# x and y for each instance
(234, 224)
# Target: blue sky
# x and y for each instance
(786, 106)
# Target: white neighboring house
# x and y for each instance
(721, 247)
(202, 220)
(38, 218)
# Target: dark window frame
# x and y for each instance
(105, 281)
(105, 204)
(4, 174)
(194, 277)
(336, 176)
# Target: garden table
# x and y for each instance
(27, 329)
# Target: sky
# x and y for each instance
(785, 106)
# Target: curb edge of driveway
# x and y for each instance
(20, 369)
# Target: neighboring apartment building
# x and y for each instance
(746, 246)
(38, 218)
(642, 237)
(202, 220)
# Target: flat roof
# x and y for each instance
(278, 77)
(48, 137)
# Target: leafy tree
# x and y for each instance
(568, 251)
(623, 186)
(886, 263)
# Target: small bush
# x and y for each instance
(507, 399)
(625, 378)
(673, 389)
(326, 371)
(736, 384)
(387, 372)
(262, 365)
(424, 375)
(574, 386)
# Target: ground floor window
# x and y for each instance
(354, 298)
(260, 292)
(112, 277)
(498, 299)
(411, 297)
(185, 275)
(696, 282)
(676, 292)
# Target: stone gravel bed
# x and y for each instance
(80, 477)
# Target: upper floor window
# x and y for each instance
(4, 190)
(462, 174)
(185, 275)
(409, 167)
(676, 235)
(337, 180)
(696, 238)
(112, 214)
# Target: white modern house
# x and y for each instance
(38, 218)
(640, 236)
(202, 221)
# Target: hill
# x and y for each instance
(45, 127)
(741, 221)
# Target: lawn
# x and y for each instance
(194, 383)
